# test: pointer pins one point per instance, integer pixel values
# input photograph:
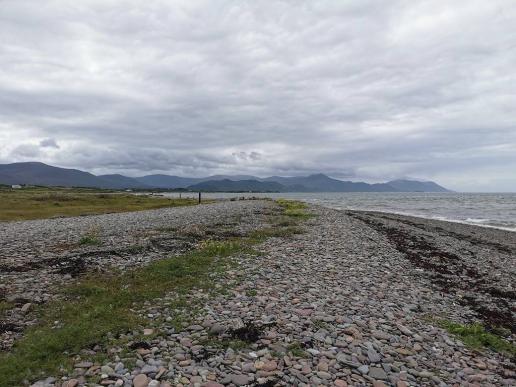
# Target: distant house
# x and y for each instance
(16, 186)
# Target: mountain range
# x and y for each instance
(36, 173)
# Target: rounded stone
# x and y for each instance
(140, 380)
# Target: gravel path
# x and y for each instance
(343, 304)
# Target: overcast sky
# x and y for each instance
(360, 90)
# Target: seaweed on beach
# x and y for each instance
(249, 333)
(449, 272)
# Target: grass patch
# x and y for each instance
(89, 240)
(4, 307)
(39, 203)
(475, 336)
(101, 306)
(296, 349)
(320, 324)
(294, 208)
(284, 221)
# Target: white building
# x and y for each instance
(16, 186)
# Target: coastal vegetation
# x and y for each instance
(41, 203)
(477, 337)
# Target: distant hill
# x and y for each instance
(416, 186)
(120, 182)
(322, 183)
(172, 182)
(35, 173)
(167, 181)
(227, 185)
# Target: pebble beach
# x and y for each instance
(354, 300)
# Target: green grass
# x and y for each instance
(4, 307)
(475, 336)
(297, 350)
(285, 221)
(39, 203)
(294, 208)
(89, 240)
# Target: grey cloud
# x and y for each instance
(358, 89)
(26, 151)
(48, 143)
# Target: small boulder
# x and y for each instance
(140, 380)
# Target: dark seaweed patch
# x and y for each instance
(250, 333)
(448, 271)
(139, 345)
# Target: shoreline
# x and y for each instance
(436, 217)
(422, 217)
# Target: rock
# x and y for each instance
(377, 373)
(270, 366)
(322, 366)
(259, 364)
(340, 383)
(404, 330)
(107, 370)
(374, 357)
(217, 329)
(25, 308)
(404, 351)
(239, 379)
(248, 368)
(364, 369)
(148, 332)
(72, 383)
(149, 369)
(477, 378)
(161, 372)
(140, 380)
(380, 335)
(324, 375)
(212, 384)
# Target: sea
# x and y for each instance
(496, 210)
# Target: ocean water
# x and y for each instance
(484, 209)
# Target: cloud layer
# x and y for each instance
(357, 89)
